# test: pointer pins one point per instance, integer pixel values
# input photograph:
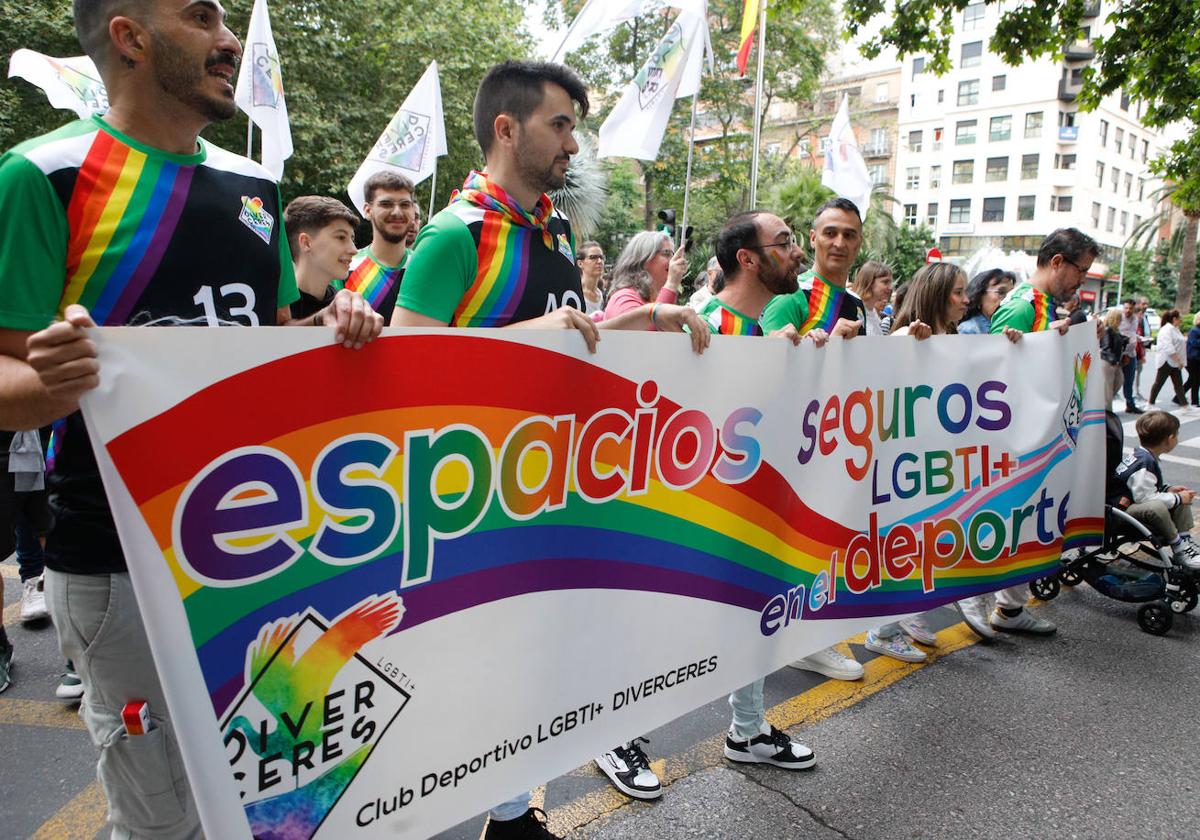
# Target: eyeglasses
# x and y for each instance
(790, 242)
(594, 257)
(1077, 266)
(665, 252)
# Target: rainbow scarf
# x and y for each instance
(373, 280)
(824, 305)
(1043, 309)
(502, 264)
(121, 216)
(728, 321)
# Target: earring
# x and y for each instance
(128, 62)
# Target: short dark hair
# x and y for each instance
(978, 287)
(1154, 427)
(91, 23)
(1071, 243)
(739, 232)
(517, 88)
(312, 213)
(386, 179)
(838, 203)
(1130, 301)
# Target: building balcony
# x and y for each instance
(1068, 133)
(1068, 91)
(877, 150)
(1092, 9)
(1080, 51)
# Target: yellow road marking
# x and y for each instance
(83, 816)
(8, 570)
(12, 613)
(15, 712)
(818, 703)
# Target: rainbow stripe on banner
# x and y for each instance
(122, 215)
(711, 535)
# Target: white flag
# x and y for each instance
(260, 91)
(598, 16)
(413, 140)
(636, 125)
(69, 83)
(845, 171)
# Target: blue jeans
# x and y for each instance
(513, 808)
(29, 551)
(749, 712)
(1129, 369)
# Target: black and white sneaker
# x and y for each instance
(629, 770)
(773, 747)
(529, 826)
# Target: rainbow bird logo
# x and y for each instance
(1073, 413)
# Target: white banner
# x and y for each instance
(259, 91)
(636, 124)
(72, 84)
(598, 16)
(845, 170)
(382, 610)
(413, 140)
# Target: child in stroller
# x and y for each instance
(1166, 511)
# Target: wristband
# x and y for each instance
(653, 313)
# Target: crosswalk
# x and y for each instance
(1187, 453)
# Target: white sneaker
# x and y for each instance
(629, 770)
(769, 747)
(918, 631)
(33, 600)
(832, 664)
(1022, 622)
(1187, 554)
(897, 647)
(975, 612)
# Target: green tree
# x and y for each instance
(908, 256)
(47, 27)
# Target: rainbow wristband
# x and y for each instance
(653, 312)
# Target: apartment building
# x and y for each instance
(993, 156)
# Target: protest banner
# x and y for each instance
(381, 586)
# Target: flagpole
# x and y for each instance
(249, 137)
(758, 89)
(432, 188)
(687, 180)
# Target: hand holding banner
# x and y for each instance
(324, 577)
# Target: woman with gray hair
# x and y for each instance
(648, 270)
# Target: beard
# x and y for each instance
(385, 234)
(538, 174)
(180, 78)
(780, 279)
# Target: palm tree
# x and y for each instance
(801, 192)
(1182, 242)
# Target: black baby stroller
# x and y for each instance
(1132, 564)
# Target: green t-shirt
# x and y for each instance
(1025, 308)
(723, 319)
(817, 304)
(378, 283)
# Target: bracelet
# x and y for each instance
(653, 312)
(316, 319)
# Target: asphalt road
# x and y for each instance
(1089, 734)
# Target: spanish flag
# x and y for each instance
(749, 22)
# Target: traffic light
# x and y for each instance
(687, 239)
(666, 222)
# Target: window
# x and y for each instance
(1129, 185)
(997, 169)
(1025, 207)
(931, 214)
(1060, 203)
(993, 209)
(1029, 167)
(1096, 215)
(1000, 128)
(1112, 218)
(1103, 132)
(1137, 221)
(1141, 189)
(937, 139)
(1124, 101)
(1064, 161)
(912, 180)
(964, 132)
(1099, 175)
(1124, 222)
(1119, 140)
(824, 141)
(964, 172)
(973, 16)
(879, 140)
(999, 82)
(918, 66)
(941, 95)
(881, 92)
(878, 173)
(914, 140)
(1132, 146)
(1033, 125)
(1066, 119)
(935, 177)
(910, 215)
(972, 54)
(1115, 179)
(968, 92)
(1145, 150)
(960, 211)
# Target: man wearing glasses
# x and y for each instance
(1062, 264)
(378, 269)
